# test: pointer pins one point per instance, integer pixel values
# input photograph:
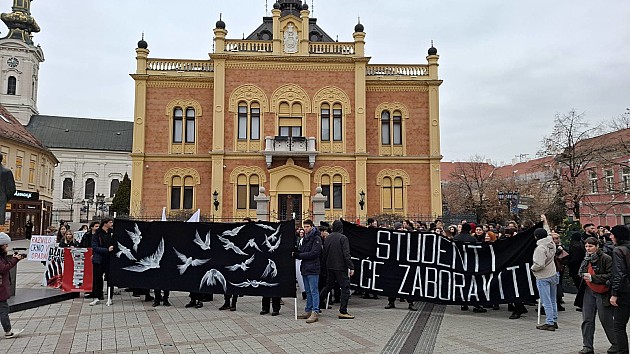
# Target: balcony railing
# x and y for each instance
(337, 48)
(180, 65)
(232, 45)
(393, 70)
(290, 146)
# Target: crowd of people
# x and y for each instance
(597, 260)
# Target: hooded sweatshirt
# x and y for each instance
(544, 265)
(337, 249)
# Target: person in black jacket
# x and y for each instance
(86, 240)
(574, 260)
(465, 236)
(102, 247)
(620, 287)
(339, 266)
(310, 252)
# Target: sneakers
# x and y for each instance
(263, 312)
(345, 316)
(546, 327)
(232, 308)
(586, 351)
(304, 316)
(95, 302)
(555, 325)
(199, 305)
(275, 313)
(13, 334)
(390, 305)
(224, 307)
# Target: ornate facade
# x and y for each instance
(288, 109)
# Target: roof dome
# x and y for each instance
(304, 6)
(432, 50)
(276, 5)
(220, 24)
(359, 27)
(142, 43)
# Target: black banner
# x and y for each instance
(427, 267)
(237, 258)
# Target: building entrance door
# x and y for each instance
(290, 207)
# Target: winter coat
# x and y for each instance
(620, 286)
(603, 272)
(576, 255)
(72, 243)
(310, 253)
(464, 237)
(100, 247)
(5, 278)
(337, 252)
(7, 190)
(544, 254)
(86, 240)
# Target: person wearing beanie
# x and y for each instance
(620, 288)
(6, 264)
(544, 269)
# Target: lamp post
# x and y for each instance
(88, 205)
(100, 202)
(362, 199)
(511, 198)
(215, 196)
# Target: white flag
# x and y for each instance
(195, 216)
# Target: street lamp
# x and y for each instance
(362, 199)
(215, 196)
(88, 205)
(100, 202)
(510, 197)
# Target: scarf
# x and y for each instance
(589, 258)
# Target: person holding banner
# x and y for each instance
(102, 247)
(544, 269)
(338, 266)
(309, 252)
(5, 284)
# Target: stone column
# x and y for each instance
(262, 205)
(319, 213)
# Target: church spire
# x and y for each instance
(20, 22)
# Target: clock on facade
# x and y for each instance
(13, 62)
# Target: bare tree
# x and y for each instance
(574, 151)
(619, 123)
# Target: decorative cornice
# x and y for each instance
(248, 171)
(183, 104)
(179, 84)
(287, 59)
(391, 107)
(248, 93)
(181, 172)
(392, 174)
(331, 171)
(382, 88)
(331, 95)
(290, 93)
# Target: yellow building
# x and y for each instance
(33, 169)
(288, 109)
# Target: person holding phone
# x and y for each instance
(6, 264)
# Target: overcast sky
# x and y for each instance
(508, 66)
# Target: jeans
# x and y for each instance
(592, 305)
(547, 289)
(343, 279)
(312, 292)
(4, 316)
(621, 314)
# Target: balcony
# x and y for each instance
(295, 146)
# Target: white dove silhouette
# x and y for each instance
(230, 245)
(273, 247)
(274, 236)
(211, 278)
(150, 262)
(252, 243)
(136, 236)
(244, 266)
(126, 251)
(233, 232)
(205, 245)
(253, 284)
(266, 227)
(270, 270)
(188, 261)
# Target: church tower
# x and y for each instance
(19, 62)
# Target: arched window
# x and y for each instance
(183, 127)
(248, 121)
(246, 190)
(113, 187)
(12, 85)
(385, 128)
(393, 184)
(290, 119)
(337, 124)
(182, 192)
(332, 187)
(89, 188)
(68, 188)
